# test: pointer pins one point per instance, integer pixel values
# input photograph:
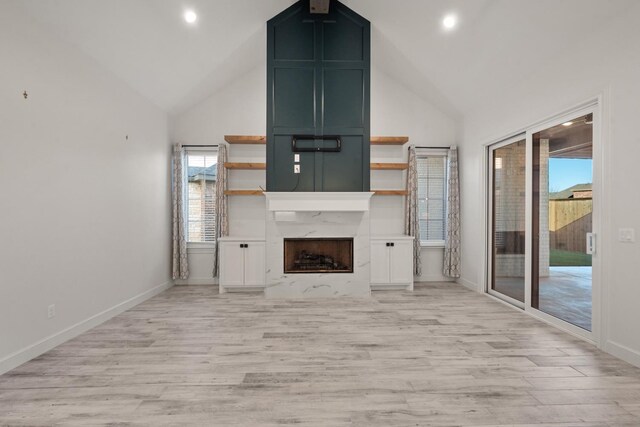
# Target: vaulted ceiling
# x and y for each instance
(497, 43)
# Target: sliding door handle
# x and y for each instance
(591, 243)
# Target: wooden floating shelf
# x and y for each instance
(243, 192)
(245, 139)
(389, 166)
(390, 192)
(389, 140)
(262, 166)
(260, 192)
(261, 139)
(245, 166)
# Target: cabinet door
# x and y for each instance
(254, 264)
(379, 262)
(401, 262)
(231, 264)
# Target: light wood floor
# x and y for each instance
(442, 356)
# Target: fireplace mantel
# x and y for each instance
(318, 201)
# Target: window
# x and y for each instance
(201, 173)
(432, 198)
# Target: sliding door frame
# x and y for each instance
(490, 224)
(595, 275)
(593, 106)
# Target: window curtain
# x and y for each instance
(180, 264)
(452, 234)
(411, 220)
(222, 214)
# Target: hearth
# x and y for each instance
(318, 255)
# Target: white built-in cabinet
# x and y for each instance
(392, 262)
(242, 263)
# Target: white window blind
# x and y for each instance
(432, 197)
(200, 177)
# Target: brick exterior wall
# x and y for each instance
(509, 200)
(202, 208)
(509, 209)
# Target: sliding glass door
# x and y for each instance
(561, 280)
(507, 217)
(542, 217)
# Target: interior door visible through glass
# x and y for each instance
(562, 221)
(508, 200)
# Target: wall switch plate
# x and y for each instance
(296, 158)
(51, 311)
(626, 235)
(296, 168)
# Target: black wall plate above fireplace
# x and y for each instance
(297, 149)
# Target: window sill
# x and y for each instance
(432, 244)
(201, 245)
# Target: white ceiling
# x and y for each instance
(498, 42)
(148, 44)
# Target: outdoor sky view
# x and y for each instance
(565, 173)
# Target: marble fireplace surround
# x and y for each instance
(314, 215)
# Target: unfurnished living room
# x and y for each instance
(319, 213)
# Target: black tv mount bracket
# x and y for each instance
(295, 138)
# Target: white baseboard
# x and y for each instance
(468, 284)
(623, 352)
(432, 278)
(390, 287)
(208, 281)
(34, 350)
(241, 289)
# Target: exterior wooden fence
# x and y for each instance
(569, 223)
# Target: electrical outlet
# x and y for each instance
(51, 311)
(296, 168)
(296, 158)
(626, 235)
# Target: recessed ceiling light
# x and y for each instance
(449, 21)
(190, 16)
(567, 123)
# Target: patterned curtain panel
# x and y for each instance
(452, 236)
(180, 264)
(222, 214)
(411, 220)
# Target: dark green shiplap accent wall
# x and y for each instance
(318, 83)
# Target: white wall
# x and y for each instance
(85, 213)
(397, 110)
(607, 64)
(241, 109)
(238, 109)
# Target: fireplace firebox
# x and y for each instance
(318, 255)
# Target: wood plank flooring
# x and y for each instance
(441, 356)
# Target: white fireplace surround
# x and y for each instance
(318, 201)
(317, 215)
